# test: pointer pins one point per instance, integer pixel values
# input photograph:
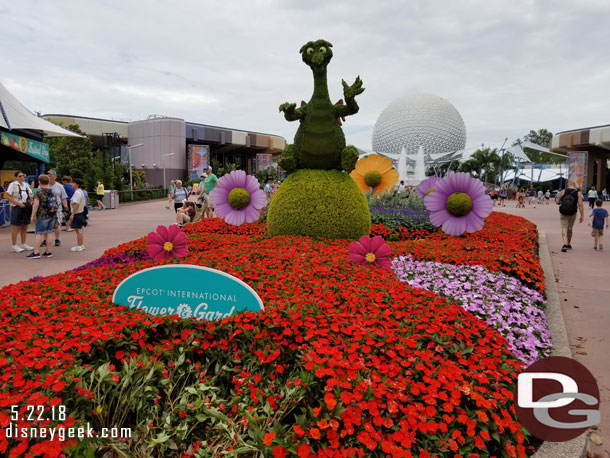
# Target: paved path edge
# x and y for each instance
(561, 347)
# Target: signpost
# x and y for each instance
(188, 291)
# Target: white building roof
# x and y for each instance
(15, 116)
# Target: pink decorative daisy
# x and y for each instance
(458, 204)
(238, 198)
(371, 251)
(167, 243)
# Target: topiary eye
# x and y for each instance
(309, 51)
(323, 50)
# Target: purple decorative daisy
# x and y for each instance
(427, 186)
(238, 198)
(458, 204)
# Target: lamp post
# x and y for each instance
(165, 155)
(130, 176)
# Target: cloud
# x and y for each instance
(507, 67)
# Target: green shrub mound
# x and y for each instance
(319, 203)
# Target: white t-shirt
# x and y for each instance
(78, 198)
(19, 192)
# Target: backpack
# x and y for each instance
(568, 205)
(52, 203)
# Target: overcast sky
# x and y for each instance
(507, 66)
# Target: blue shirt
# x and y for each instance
(599, 214)
(69, 191)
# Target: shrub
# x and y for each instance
(319, 203)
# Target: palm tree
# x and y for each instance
(487, 159)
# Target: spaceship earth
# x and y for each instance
(421, 119)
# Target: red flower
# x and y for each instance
(268, 439)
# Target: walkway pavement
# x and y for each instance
(106, 229)
(583, 282)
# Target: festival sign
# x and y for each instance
(199, 155)
(577, 172)
(187, 291)
(38, 150)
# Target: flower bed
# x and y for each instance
(346, 360)
(503, 302)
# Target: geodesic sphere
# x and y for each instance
(421, 119)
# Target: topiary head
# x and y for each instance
(317, 54)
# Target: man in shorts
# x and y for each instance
(567, 217)
(42, 218)
(60, 194)
(18, 193)
(77, 218)
(209, 183)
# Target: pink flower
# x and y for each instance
(371, 251)
(167, 243)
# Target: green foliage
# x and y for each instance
(267, 174)
(71, 155)
(319, 203)
(139, 178)
(75, 157)
(319, 142)
(142, 194)
(219, 170)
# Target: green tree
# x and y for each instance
(484, 162)
(71, 155)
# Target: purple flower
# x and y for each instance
(238, 198)
(500, 300)
(458, 204)
(167, 243)
(427, 186)
(371, 251)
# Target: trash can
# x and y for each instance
(106, 199)
(111, 199)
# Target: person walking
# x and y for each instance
(99, 193)
(570, 202)
(180, 195)
(19, 195)
(43, 209)
(547, 196)
(531, 197)
(503, 196)
(598, 216)
(77, 218)
(592, 197)
(60, 195)
(170, 193)
(209, 183)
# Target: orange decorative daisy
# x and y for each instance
(376, 172)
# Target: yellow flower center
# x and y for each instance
(459, 204)
(370, 257)
(372, 178)
(168, 246)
